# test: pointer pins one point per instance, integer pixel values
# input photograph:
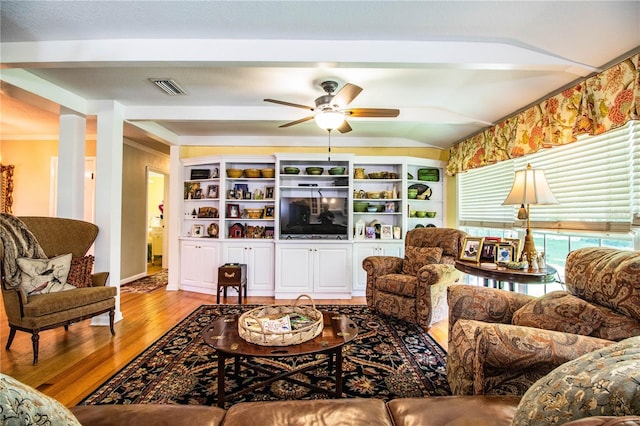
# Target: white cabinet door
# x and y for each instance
(199, 261)
(258, 256)
(294, 269)
(332, 269)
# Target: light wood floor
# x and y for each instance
(72, 364)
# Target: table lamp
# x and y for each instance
(529, 187)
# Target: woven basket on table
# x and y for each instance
(293, 337)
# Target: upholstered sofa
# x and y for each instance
(413, 288)
(501, 342)
(27, 240)
(599, 388)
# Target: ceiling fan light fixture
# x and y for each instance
(329, 119)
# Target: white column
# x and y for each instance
(109, 150)
(71, 153)
(176, 216)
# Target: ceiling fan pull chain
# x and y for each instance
(329, 158)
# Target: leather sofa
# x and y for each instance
(610, 378)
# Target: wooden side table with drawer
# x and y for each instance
(232, 275)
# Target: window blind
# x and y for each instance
(596, 182)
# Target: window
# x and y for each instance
(596, 181)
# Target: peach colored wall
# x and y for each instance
(32, 173)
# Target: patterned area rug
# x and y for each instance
(388, 359)
(147, 284)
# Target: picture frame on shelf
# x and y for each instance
(390, 207)
(269, 212)
(517, 246)
(359, 230)
(370, 232)
(269, 192)
(386, 232)
(231, 194)
(233, 211)
(397, 233)
(269, 232)
(207, 212)
(212, 191)
(213, 230)
(197, 230)
(471, 249)
(488, 253)
(197, 194)
(504, 253)
(200, 174)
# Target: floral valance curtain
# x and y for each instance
(600, 103)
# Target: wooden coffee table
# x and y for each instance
(223, 336)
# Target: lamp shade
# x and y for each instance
(329, 119)
(530, 187)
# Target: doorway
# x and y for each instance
(156, 219)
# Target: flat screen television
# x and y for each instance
(302, 218)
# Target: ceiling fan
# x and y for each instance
(331, 110)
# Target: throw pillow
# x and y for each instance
(80, 271)
(416, 257)
(605, 382)
(559, 311)
(41, 276)
(22, 405)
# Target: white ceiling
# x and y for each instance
(451, 67)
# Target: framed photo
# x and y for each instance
(269, 232)
(213, 230)
(517, 246)
(397, 232)
(200, 174)
(370, 232)
(386, 232)
(197, 194)
(212, 191)
(390, 207)
(359, 233)
(197, 230)
(488, 253)
(471, 249)
(504, 253)
(269, 211)
(268, 192)
(208, 212)
(233, 210)
(231, 194)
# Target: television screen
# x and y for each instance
(313, 217)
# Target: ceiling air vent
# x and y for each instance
(168, 86)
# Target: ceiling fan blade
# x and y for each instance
(344, 127)
(345, 95)
(275, 101)
(293, 123)
(372, 112)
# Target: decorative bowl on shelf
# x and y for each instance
(253, 213)
(336, 171)
(360, 206)
(421, 214)
(374, 195)
(234, 173)
(431, 214)
(252, 173)
(267, 173)
(291, 170)
(378, 175)
(372, 209)
(314, 170)
(412, 193)
(412, 213)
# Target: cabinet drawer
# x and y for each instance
(232, 274)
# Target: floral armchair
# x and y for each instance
(502, 342)
(414, 288)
